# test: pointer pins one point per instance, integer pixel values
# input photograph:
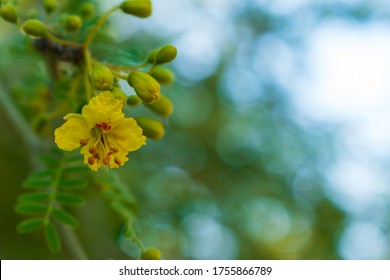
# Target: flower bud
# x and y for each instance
(87, 10)
(163, 75)
(120, 95)
(166, 54)
(34, 27)
(151, 254)
(163, 106)
(152, 56)
(101, 78)
(73, 23)
(151, 128)
(9, 13)
(145, 86)
(138, 8)
(50, 6)
(133, 100)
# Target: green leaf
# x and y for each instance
(69, 199)
(73, 183)
(30, 225)
(32, 183)
(42, 173)
(34, 197)
(31, 208)
(75, 169)
(52, 238)
(65, 218)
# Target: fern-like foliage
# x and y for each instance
(51, 191)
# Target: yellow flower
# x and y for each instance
(102, 130)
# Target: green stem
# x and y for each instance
(104, 17)
(53, 193)
(119, 75)
(72, 93)
(87, 70)
(73, 244)
(138, 242)
(63, 42)
(152, 68)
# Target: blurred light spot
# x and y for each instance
(281, 6)
(273, 61)
(363, 241)
(371, 136)
(208, 239)
(293, 246)
(198, 55)
(267, 220)
(347, 78)
(170, 185)
(306, 189)
(240, 85)
(354, 184)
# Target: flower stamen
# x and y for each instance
(104, 125)
(117, 161)
(91, 160)
(84, 142)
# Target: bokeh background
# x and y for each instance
(279, 146)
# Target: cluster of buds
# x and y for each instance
(146, 86)
(145, 79)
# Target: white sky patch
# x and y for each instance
(356, 184)
(349, 68)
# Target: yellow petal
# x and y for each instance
(126, 136)
(104, 108)
(68, 136)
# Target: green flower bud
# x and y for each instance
(50, 6)
(133, 100)
(34, 27)
(151, 254)
(87, 10)
(163, 106)
(151, 128)
(9, 13)
(152, 56)
(102, 78)
(166, 54)
(138, 8)
(120, 95)
(163, 75)
(73, 23)
(145, 86)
